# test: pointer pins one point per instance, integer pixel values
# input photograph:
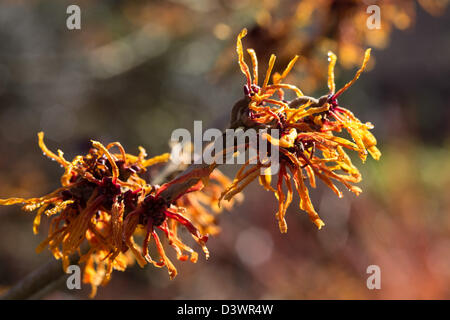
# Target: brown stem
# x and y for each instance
(38, 280)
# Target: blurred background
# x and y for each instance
(137, 70)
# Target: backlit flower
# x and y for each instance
(308, 145)
(103, 201)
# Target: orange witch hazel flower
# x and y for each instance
(308, 145)
(103, 201)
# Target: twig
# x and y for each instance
(37, 280)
